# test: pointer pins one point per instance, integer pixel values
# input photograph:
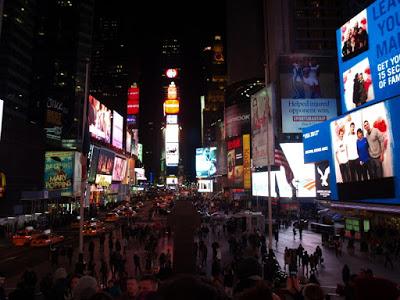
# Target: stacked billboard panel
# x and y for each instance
(99, 120)
(172, 145)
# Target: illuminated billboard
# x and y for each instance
(103, 180)
(307, 93)
(303, 184)
(140, 152)
(128, 147)
(105, 162)
(368, 55)
(133, 100)
(171, 73)
(206, 162)
(59, 172)
(237, 120)
(235, 162)
(171, 180)
(204, 186)
(172, 133)
(172, 92)
(99, 120)
(362, 151)
(172, 154)
(171, 107)
(117, 133)
(119, 169)
(262, 128)
(172, 119)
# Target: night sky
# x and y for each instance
(194, 24)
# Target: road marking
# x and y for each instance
(9, 258)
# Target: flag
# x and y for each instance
(278, 193)
(280, 160)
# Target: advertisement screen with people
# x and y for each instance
(99, 120)
(368, 55)
(105, 162)
(362, 154)
(119, 170)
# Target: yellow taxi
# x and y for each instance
(93, 229)
(111, 217)
(46, 239)
(24, 237)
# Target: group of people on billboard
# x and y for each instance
(361, 145)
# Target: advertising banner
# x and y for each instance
(235, 162)
(300, 113)
(171, 107)
(55, 110)
(133, 101)
(171, 180)
(322, 181)
(119, 170)
(316, 141)
(237, 120)
(307, 93)
(262, 128)
(128, 147)
(369, 55)
(172, 133)
(140, 152)
(363, 154)
(59, 172)
(117, 134)
(93, 159)
(99, 120)
(172, 119)
(246, 162)
(303, 184)
(204, 186)
(103, 180)
(105, 163)
(206, 162)
(135, 141)
(172, 154)
(132, 121)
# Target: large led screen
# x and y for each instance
(118, 125)
(262, 141)
(119, 169)
(307, 93)
(368, 55)
(205, 186)
(362, 150)
(128, 142)
(99, 120)
(105, 163)
(235, 162)
(206, 162)
(303, 183)
(172, 133)
(172, 154)
(59, 172)
(237, 120)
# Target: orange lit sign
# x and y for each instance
(172, 93)
(171, 73)
(171, 107)
(2, 184)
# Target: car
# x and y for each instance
(111, 217)
(24, 237)
(46, 239)
(93, 229)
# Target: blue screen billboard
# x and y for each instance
(316, 142)
(369, 55)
